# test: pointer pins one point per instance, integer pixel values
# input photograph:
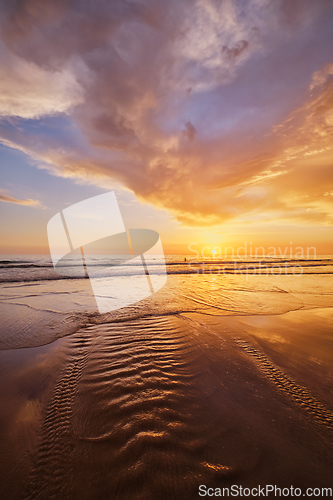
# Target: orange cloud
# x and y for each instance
(214, 111)
(29, 203)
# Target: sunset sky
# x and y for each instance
(211, 119)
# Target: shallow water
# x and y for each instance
(38, 305)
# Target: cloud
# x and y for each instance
(29, 203)
(29, 91)
(202, 108)
(190, 131)
(235, 51)
(320, 77)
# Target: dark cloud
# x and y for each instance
(235, 51)
(190, 131)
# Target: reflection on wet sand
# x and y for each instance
(214, 380)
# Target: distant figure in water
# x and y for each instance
(185, 259)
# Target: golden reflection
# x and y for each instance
(216, 467)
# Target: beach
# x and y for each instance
(218, 379)
(166, 257)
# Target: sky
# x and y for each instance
(212, 120)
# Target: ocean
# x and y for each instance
(223, 377)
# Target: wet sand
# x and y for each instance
(152, 407)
